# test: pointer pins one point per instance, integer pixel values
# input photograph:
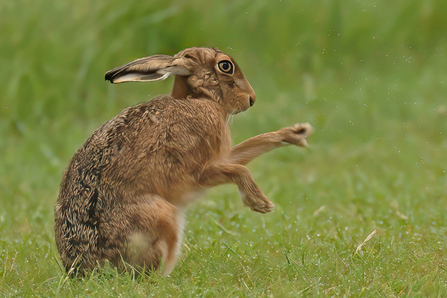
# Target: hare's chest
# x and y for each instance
(225, 145)
(190, 197)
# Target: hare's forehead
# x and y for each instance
(198, 55)
(223, 57)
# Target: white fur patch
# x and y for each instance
(170, 265)
(138, 77)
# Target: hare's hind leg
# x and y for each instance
(156, 234)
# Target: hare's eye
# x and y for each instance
(226, 67)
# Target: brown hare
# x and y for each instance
(122, 196)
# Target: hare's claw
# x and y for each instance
(261, 205)
(297, 134)
(263, 208)
(304, 129)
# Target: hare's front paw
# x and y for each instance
(257, 203)
(296, 134)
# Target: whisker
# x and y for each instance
(230, 116)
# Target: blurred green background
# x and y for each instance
(370, 76)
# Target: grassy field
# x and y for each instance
(370, 76)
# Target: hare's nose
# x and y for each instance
(252, 101)
(252, 98)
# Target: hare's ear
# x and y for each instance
(153, 68)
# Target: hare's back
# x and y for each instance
(160, 141)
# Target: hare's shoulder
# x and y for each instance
(163, 122)
(165, 117)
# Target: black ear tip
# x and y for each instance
(109, 76)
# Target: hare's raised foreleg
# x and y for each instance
(249, 149)
(251, 194)
(155, 233)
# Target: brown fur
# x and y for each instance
(122, 195)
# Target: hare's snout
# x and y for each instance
(252, 100)
(247, 101)
(247, 95)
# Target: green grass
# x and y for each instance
(370, 76)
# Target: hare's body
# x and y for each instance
(127, 166)
(122, 195)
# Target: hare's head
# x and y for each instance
(199, 72)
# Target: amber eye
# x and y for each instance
(226, 66)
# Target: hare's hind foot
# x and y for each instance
(156, 234)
